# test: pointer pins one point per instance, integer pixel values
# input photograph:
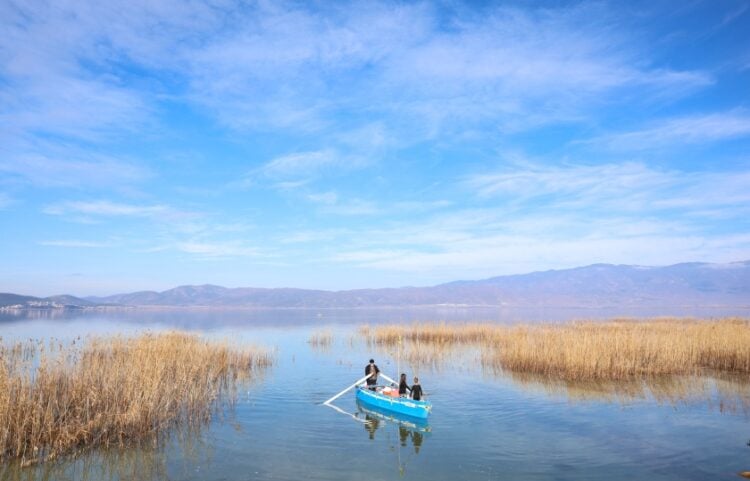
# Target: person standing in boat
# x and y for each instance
(373, 371)
(403, 386)
(416, 390)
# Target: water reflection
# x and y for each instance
(500, 430)
(726, 393)
(410, 432)
(415, 436)
(149, 459)
(413, 428)
(210, 318)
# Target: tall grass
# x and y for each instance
(426, 332)
(616, 349)
(623, 349)
(321, 339)
(58, 397)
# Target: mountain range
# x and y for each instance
(598, 285)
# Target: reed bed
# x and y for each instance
(428, 333)
(57, 398)
(586, 350)
(623, 349)
(321, 339)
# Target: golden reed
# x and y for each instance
(321, 339)
(588, 350)
(56, 398)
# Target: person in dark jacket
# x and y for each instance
(416, 390)
(403, 386)
(373, 371)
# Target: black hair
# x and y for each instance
(372, 360)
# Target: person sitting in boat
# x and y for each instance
(416, 390)
(373, 371)
(403, 386)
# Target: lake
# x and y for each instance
(485, 425)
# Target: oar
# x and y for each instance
(387, 378)
(342, 392)
(353, 416)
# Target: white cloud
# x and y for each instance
(298, 69)
(74, 243)
(289, 185)
(218, 249)
(308, 236)
(353, 207)
(292, 171)
(520, 254)
(301, 163)
(520, 182)
(628, 187)
(536, 217)
(267, 66)
(47, 87)
(59, 166)
(328, 198)
(681, 131)
(107, 208)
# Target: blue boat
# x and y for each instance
(398, 405)
(414, 424)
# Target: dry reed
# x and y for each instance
(321, 339)
(56, 398)
(614, 350)
(428, 333)
(623, 349)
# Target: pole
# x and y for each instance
(353, 385)
(398, 361)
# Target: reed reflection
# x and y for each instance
(718, 391)
(166, 456)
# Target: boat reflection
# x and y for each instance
(409, 428)
(416, 437)
(410, 431)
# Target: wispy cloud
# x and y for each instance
(328, 198)
(62, 167)
(292, 171)
(300, 164)
(365, 133)
(535, 216)
(106, 208)
(503, 67)
(681, 131)
(5, 200)
(75, 243)
(353, 207)
(518, 254)
(219, 249)
(629, 187)
(521, 182)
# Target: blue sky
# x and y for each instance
(145, 145)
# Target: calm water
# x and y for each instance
(484, 425)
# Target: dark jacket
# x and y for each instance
(367, 371)
(416, 392)
(403, 387)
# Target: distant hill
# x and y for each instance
(53, 302)
(599, 285)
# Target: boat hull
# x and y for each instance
(404, 406)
